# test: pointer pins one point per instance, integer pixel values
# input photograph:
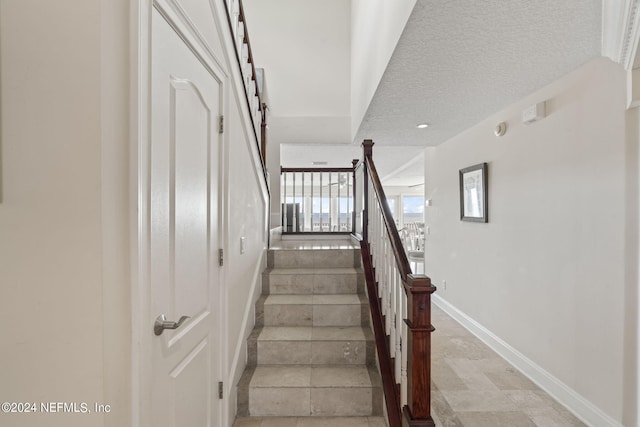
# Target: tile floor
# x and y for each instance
(474, 387)
(471, 387)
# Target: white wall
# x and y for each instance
(67, 216)
(547, 273)
(64, 288)
(376, 26)
(631, 408)
(247, 216)
(305, 51)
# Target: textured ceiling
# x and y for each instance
(456, 63)
(459, 61)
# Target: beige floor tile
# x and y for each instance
(377, 422)
(478, 400)
(347, 402)
(530, 399)
(279, 422)
(464, 347)
(511, 380)
(247, 422)
(288, 299)
(338, 352)
(284, 352)
(346, 333)
(336, 299)
(276, 376)
(495, 419)
(277, 402)
(471, 374)
(285, 333)
(333, 422)
(336, 315)
(341, 376)
(445, 377)
(552, 417)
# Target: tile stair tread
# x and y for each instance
(312, 333)
(311, 376)
(316, 299)
(314, 270)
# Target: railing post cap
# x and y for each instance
(367, 145)
(420, 283)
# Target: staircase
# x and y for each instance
(312, 352)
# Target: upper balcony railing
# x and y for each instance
(251, 79)
(317, 200)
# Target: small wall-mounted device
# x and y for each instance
(501, 129)
(533, 113)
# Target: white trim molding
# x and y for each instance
(573, 401)
(621, 30)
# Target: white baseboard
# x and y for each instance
(574, 402)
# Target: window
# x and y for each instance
(412, 209)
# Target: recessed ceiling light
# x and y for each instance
(423, 125)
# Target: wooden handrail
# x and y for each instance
(394, 237)
(242, 18)
(262, 107)
(409, 395)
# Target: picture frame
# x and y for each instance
(474, 194)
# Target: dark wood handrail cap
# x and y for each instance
(426, 328)
(419, 286)
(367, 146)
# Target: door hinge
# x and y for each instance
(221, 125)
(220, 390)
(220, 257)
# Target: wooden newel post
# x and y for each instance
(417, 412)
(367, 151)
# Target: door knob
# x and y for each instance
(162, 323)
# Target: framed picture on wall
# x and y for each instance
(473, 193)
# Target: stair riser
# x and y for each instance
(312, 315)
(312, 353)
(336, 258)
(308, 284)
(304, 401)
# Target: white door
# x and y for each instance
(183, 233)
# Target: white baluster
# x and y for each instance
(240, 36)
